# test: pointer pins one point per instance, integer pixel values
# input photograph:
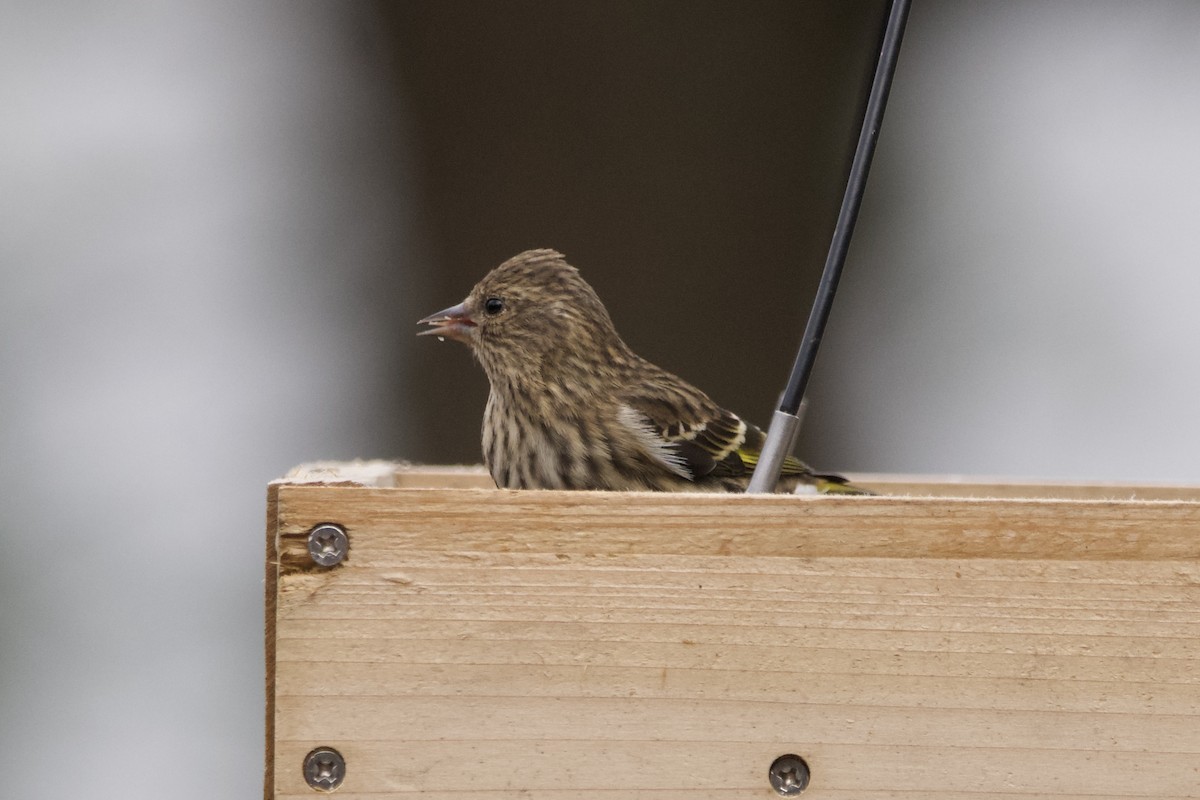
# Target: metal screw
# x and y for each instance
(324, 769)
(789, 774)
(327, 544)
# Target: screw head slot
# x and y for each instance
(789, 775)
(324, 769)
(328, 544)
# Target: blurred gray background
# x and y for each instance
(219, 222)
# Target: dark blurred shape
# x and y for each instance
(688, 158)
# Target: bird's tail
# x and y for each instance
(836, 484)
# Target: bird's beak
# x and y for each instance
(453, 323)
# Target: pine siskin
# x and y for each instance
(572, 407)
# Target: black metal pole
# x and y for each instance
(785, 424)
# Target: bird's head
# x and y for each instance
(532, 308)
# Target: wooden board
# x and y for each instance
(556, 645)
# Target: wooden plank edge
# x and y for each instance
(1009, 487)
(270, 607)
(385, 474)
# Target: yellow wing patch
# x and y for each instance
(791, 464)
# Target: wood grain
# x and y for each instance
(558, 645)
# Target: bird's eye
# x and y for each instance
(493, 305)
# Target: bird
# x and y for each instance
(571, 406)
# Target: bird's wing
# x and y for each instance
(752, 447)
(825, 483)
(667, 453)
(697, 435)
